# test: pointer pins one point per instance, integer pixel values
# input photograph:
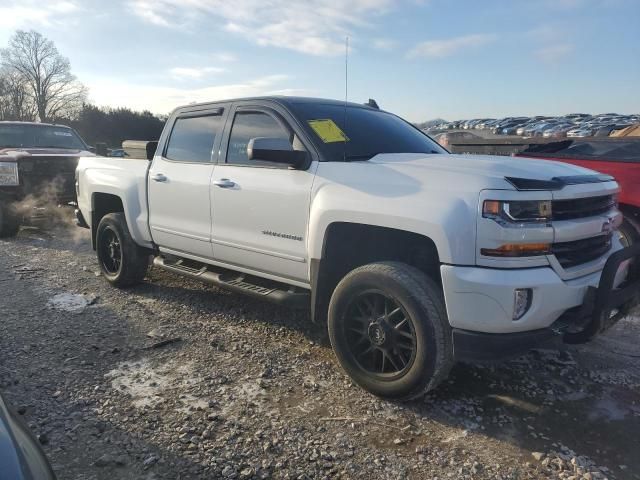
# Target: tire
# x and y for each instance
(418, 303)
(9, 221)
(629, 231)
(122, 262)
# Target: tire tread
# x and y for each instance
(429, 295)
(9, 221)
(135, 258)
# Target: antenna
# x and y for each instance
(346, 90)
(346, 70)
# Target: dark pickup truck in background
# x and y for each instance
(37, 166)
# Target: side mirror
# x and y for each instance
(276, 150)
(101, 149)
(151, 149)
(140, 149)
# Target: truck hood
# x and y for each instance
(488, 166)
(19, 153)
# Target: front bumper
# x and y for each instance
(480, 304)
(485, 347)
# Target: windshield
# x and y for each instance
(368, 132)
(39, 136)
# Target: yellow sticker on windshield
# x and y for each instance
(328, 131)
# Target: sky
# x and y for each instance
(421, 59)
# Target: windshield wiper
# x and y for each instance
(56, 146)
(361, 156)
(368, 156)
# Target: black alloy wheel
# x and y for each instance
(389, 329)
(122, 261)
(380, 334)
(110, 251)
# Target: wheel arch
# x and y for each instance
(631, 211)
(632, 216)
(101, 205)
(346, 246)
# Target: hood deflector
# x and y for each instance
(556, 183)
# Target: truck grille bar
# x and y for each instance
(570, 254)
(582, 207)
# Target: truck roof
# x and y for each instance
(282, 99)
(37, 124)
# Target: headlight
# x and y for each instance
(507, 212)
(9, 174)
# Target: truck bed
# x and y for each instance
(125, 178)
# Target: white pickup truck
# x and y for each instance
(414, 257)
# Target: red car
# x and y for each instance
(619, 158)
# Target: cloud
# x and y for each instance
(564, 4)
(549, 32)
(451, 46)
(554, 53)
(146, 10)
(225, 57)
(315, 27)
(63, 7)
(384, 44)
(182, 73)
(115, 92)
(33, 14)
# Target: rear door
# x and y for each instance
(261, 209)
(180, 183)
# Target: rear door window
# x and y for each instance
(192, 138)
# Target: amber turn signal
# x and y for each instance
(518, 250)
(491, 207)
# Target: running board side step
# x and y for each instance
(237, 282)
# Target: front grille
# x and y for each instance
(570, 254)
(51, 178)
(582, 207)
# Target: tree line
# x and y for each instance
(36, 84)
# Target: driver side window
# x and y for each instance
(248, 125)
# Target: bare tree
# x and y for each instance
(54, 90)
(15, 101)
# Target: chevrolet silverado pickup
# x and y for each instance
(414, 257)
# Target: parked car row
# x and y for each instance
(573, 125)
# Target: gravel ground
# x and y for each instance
(177, 380)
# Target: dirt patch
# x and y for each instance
(252, 390)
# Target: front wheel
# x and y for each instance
(122, 261)
(9, 220)
(629, 232)
(389, 329)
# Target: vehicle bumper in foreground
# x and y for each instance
(480, 306)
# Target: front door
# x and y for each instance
(261, 209)
(180, 183)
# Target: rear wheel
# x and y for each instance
(389, 329)
(122, 261)
(9, 220)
